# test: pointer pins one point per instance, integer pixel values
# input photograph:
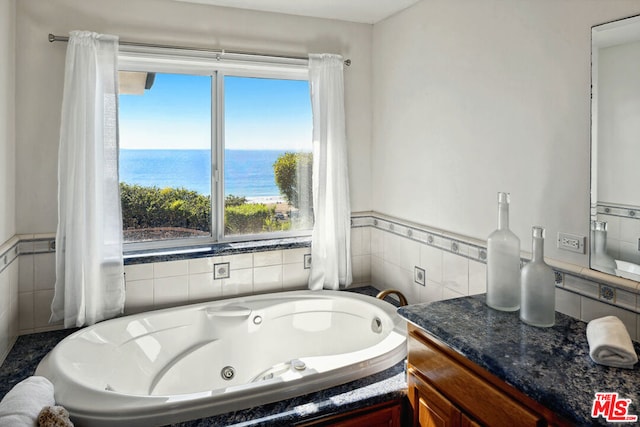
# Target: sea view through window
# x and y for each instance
(180, 128)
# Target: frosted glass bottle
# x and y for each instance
(538, 304)
(503, 262)
(600, 258)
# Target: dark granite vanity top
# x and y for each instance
(550, 365)
(384, 386)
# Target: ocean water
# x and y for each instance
(248, 173)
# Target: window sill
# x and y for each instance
(217, 249)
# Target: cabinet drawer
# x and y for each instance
(472, 394)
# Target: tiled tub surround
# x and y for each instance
(385, 253)
(162, 280)
(178, 279)
(454, 266)
(8, 295)
(162, 284)
(36, 281)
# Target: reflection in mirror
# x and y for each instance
(615, 148)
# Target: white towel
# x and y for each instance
(610, 344)
(22, 404)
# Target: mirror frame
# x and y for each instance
(626, 29)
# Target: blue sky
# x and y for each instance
(176, 112)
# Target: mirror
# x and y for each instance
(615, 148)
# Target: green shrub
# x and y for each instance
(152, 207)
(292, 172)
(247, 218)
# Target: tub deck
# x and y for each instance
(381, 387)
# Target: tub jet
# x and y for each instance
(227, 373)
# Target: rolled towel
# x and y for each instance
(22, 404)
(54, 416)
(610, 344)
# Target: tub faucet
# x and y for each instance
(401, 297)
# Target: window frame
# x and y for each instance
(217, 66)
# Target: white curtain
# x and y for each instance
(89, 267)
(331, 237)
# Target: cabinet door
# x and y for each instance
(468, 422)
(472, 394)
(430, 408)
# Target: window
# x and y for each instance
(210, 154)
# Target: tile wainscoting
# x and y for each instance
(454, 265)
(163, 284)
(8, 295)
(426, 264)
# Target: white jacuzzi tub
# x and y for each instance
(195, 361)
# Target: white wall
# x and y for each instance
(8, 260)
(7, 120)
(40, 69)
(447, 104)
(472, 97)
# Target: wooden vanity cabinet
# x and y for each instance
(446, 389)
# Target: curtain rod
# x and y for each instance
(54, 38)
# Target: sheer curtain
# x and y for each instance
(89, 267)
(331, 237)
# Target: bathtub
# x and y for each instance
(194, 361)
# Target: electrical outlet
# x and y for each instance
(571, 242)
(307, 261)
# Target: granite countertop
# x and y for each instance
(384, 386)
(550, 365)
(215, 249)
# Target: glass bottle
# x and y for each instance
(503, 262)
(600, 258)
(538, 305)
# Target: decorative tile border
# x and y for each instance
(608, 293)
(32, 245)
(632, 212)
(616, 291)
(39, 244)
(8, 253)
(572, 278)
(458, 245)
